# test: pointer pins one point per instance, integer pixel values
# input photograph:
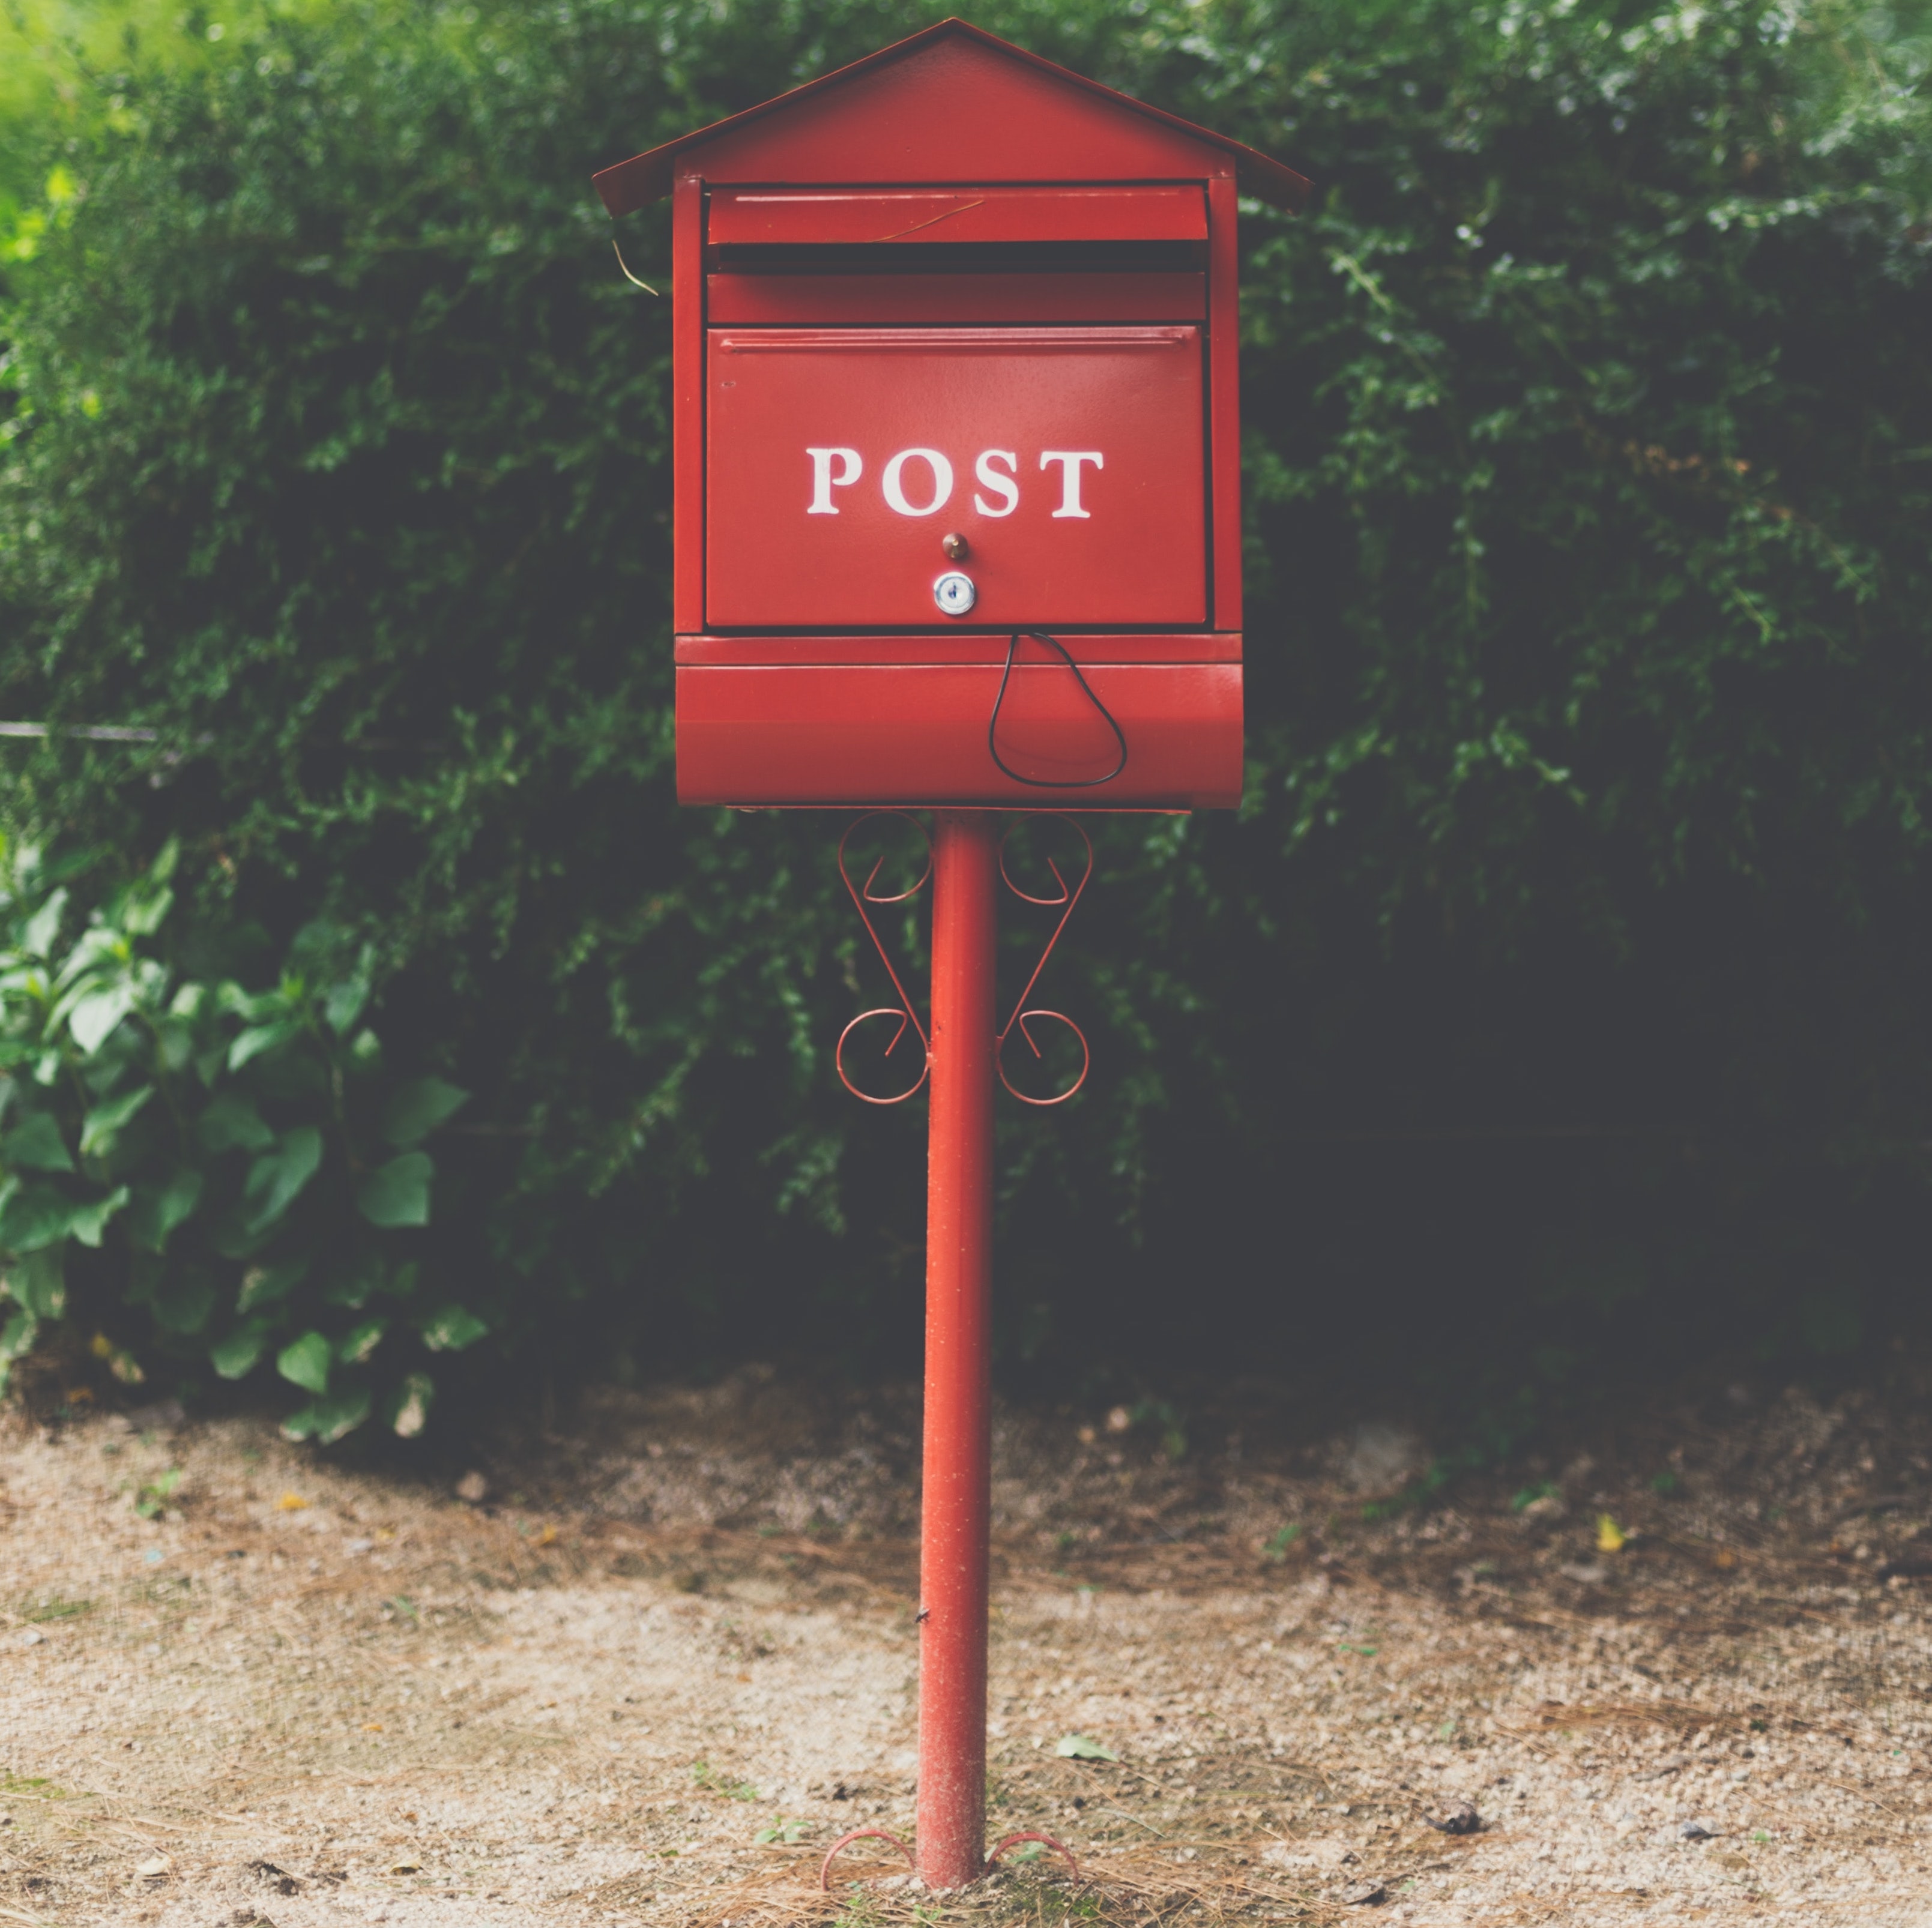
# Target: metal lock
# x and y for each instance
(955, 593)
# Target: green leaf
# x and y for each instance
(145, 914)
(37, 1284)
(345, 1001)
(89, 1223)
(263, 1285)
(235, 1357)
(231, 1123)
(410, 1406)
(16, 1340)
(157, 1210)
(417, 1107)
(251, 1043)
(1078, 1747)
(355, 1346)
(328, 1420)
(451, 1329)
(93, 1017)
(305, 1362)
(276, 1181)
(397, 1193)
(43, 930)
(37, 1216)
(35, 1144)
(100, 1126)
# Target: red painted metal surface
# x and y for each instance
(915, 732)
(880, 301)
(687, 404)
(1224, 407)
(951, 1835)
(1070, 459)
(951, 103)
(882, 215)
(958, 646)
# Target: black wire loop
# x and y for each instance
(993, 721)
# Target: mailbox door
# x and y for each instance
(1071, 459)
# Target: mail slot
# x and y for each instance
(956, 420)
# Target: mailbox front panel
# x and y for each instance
(1071, 459)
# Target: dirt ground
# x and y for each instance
(659, 1659)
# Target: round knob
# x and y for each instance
(955, 593)
(954, 547)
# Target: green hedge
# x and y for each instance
(1589, 455)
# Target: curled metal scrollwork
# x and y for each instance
(1023, 1016)
(863, 894)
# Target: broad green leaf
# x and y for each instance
(145, 913)
(16, 1339)
(417, 1107)
(98, 1129)
(89, 1222)
(411, 1404)
(231, 1123)
(43, 929)
(158, 1209)
(252, 1043)
(235, 1357)
(94, 1016)
(269, 1284)
(37, 1216)
(1078, 1747)
(452, 1329)
(276, 1181)
(355, 1348)
(345, 1001)
(305, 1362)
(37, 1283)
(35, 1144)
(328, 1420)
(397, 1193)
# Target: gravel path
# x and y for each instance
(305, 1694)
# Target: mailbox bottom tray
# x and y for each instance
(807, 732)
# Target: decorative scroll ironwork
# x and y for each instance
(861, 896)
(1023, 1017)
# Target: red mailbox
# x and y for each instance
(958, 515)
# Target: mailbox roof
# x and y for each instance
(907, 130)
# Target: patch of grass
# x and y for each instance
(55, 1607)
(152, 1501)
(704, 1775)
(1280, 1542)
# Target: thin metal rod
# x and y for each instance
(951, 1837)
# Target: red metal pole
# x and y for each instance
(958, 1306)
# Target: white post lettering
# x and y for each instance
(1001, 485)
(1070, 460)
(824, 482)
(890, 483)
